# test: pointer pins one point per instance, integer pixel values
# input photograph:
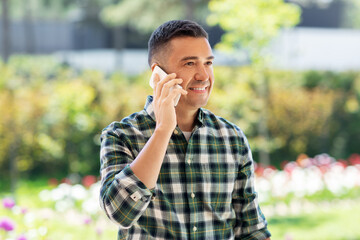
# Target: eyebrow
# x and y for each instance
(195, 58)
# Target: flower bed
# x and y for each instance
(71, 206)
(66, 207)
(307, 180)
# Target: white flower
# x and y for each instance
(78, 192)
(45, 195)
(62, 191)
(63, 205)
(91, 206)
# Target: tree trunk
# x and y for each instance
(263, 91)
(5, 31)
(13, 167)
(29, 28)
(13, 150)
(189, 8)
(119, 44)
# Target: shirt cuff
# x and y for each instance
(133, 185)
(261, 234)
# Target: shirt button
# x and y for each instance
(176, 131)
(194, 229)
(192, 195)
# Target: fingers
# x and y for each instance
(177, 90)
(162, 87)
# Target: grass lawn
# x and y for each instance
(341, 222)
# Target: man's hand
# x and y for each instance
(163, 102)
(147, 164)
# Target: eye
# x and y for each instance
(209, 63)
(189, 64)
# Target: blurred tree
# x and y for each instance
(351, 14)
(251, 25)
(5, 30)
(319, 3)
(145, 15)
(32, 11)
(51, 116)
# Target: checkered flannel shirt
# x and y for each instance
(205, 189)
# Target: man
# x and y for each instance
(179, 172)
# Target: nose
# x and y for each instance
(201, 73)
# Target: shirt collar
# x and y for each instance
(149, 107)
(150, 110)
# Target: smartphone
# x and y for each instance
(162, 75)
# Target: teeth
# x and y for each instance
(198, 89)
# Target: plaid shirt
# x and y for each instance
(205, 189)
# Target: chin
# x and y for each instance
(199, 104)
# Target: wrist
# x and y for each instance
(163, 132)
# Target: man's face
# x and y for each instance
(191, 59)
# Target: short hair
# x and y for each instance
(171, 29)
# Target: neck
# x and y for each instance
(186, 119)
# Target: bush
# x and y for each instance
(51, 115)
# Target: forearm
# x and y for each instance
(147, 164)
(123, 196)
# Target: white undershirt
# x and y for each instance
(187, 135)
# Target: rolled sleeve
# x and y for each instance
(126, 199)
(123, 196)
(261, 234)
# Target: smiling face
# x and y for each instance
(191, 59)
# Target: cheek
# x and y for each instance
(186, 77)
(212, 80)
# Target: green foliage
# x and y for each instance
(303, 118)
(351, 18)
(51, 116)
(251, 24)
(145, 15)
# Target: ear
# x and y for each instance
(153, 66)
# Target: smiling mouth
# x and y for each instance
(198, 89)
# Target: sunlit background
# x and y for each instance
(287, 73)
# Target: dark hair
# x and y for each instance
(171, 29)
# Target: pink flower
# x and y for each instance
(8, 203)
(7, 224)
(99, 231)
(259, 169)
(66, 180)
(87, 221)
(290, 166)
(354, 159)
(24, 211)
(21, 237)
(53, 182)
(89, 180)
